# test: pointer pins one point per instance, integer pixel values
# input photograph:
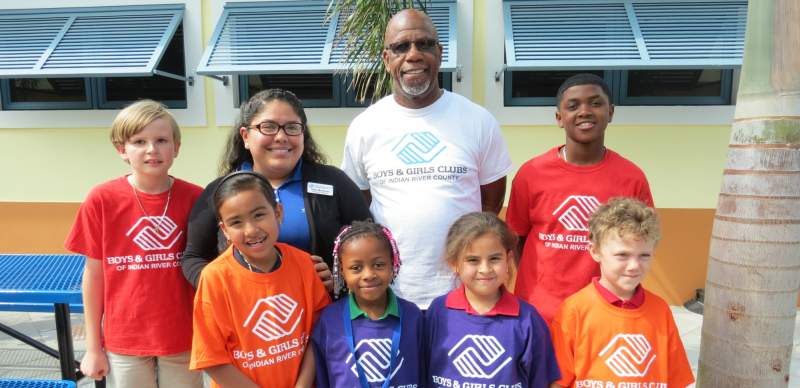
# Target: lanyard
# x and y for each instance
(348, 333)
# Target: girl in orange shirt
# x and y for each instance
(258, 301)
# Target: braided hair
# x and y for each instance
(361, 229)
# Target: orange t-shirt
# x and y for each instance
(597, 343)
(258, 322)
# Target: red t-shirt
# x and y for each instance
(508, 304)
(147, 301)
(258, 322)
(550, 205)
(600, 345)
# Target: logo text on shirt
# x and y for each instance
(478, 356)
(628, 355)
(418, 147)
(374, 355)
(574, 212)
(154, 233)
(274, 317)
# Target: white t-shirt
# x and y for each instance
(424, 168)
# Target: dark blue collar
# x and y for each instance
(297, 173)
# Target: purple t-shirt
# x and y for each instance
(335, 365)
(488, 351)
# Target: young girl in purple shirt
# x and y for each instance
(370, 338)
(480, 334)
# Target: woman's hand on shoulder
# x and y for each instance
(324, 272)
(94, 364)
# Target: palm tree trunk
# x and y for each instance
(754, 260)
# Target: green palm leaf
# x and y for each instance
(362, 24)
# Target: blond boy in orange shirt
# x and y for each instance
(614, 331)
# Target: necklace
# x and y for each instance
(278, 258)
(563, 153)
(157, 222)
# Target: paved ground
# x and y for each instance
(690, 325)
(19, 360)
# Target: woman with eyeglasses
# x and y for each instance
(272, 138)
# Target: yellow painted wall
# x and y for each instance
(684, 164)
(61, 165)
(478, 46)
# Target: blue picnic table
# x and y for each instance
(44, 283)
(12, 383)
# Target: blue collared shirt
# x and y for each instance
(294, 228)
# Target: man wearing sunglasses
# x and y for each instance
(423, 157)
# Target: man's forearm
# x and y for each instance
(492, 195)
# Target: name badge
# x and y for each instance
(320, 188)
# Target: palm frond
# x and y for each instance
(359, 35)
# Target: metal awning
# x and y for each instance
(293, 37)
(624, 34)
(86, 42)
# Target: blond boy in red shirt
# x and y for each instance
(613, 330)
(132, 230)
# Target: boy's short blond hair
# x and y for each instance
(626, 217)
(138, 115)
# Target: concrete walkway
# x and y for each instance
(690, 326)
(20, 360)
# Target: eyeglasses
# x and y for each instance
(402, 47)
(271, 128)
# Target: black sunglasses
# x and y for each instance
(402, 47)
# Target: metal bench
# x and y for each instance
(37, 307)
(30, 282)
(24, 383)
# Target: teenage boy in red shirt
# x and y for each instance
(613, 331)
(553, 195)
